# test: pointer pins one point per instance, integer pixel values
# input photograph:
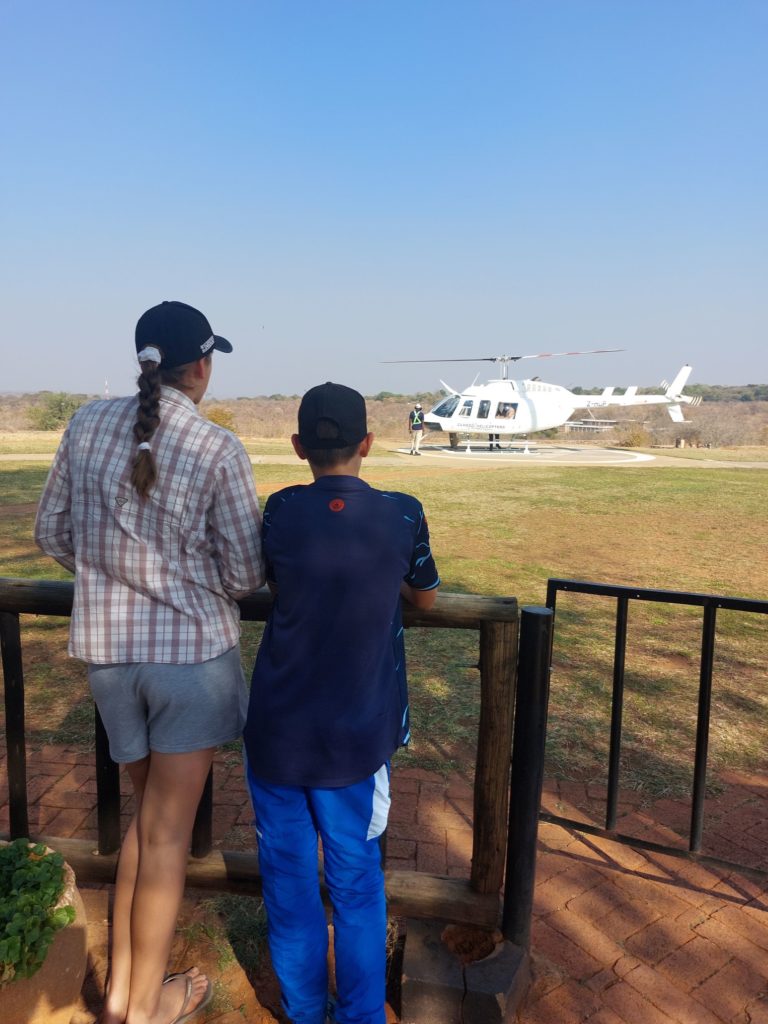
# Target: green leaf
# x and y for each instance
(62, 917)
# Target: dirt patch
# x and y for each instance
(253, 994)
(250, 989)
(468, 943)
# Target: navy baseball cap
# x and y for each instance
(181, 332)
(332, 416)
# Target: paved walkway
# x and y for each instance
(618, 935)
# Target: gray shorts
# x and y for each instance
(171, 709)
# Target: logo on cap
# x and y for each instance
(207, 344)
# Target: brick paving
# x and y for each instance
(620, 935)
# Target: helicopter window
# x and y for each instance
(448, 407)
(483, 410)
(506, 410)
(466, 409)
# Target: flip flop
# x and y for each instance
(181, 1016)
(177, 974)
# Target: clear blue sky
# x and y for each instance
(335, 183)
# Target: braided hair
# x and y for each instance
(144, 470)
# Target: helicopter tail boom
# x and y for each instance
(672, 397)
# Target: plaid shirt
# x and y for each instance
(155, 579)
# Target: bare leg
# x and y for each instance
(171, 792)
(116, 1002)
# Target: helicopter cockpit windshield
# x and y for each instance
(448, 407)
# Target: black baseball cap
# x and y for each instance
(342, 407)
(181, 332)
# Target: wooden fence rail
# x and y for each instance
(411, 894)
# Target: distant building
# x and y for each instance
(590, 426)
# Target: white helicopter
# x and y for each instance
(508, 407)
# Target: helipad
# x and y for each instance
(521, 453)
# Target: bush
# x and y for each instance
(31, 883)
(222, 416)
(550, 432)
(634, 437)
(55, 411)
(385, 396)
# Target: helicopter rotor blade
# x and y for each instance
(509, 359)
(480, 359)
(549, 355)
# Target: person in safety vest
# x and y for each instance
(416, 428)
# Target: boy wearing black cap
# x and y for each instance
(329, 707)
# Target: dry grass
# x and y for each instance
(29, 442)
(252, 417)
(728, 453)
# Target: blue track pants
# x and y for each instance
(349, 821)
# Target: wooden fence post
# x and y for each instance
(498, 667)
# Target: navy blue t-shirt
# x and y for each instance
(329, 699)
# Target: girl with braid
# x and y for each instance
(154, 509)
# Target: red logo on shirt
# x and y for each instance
(336, 505)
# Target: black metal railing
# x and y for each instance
(528, 746)
(709, 603)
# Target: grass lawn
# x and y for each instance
(741, 453)
(29, 442)
(505, 530)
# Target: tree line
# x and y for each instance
(49, 410)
